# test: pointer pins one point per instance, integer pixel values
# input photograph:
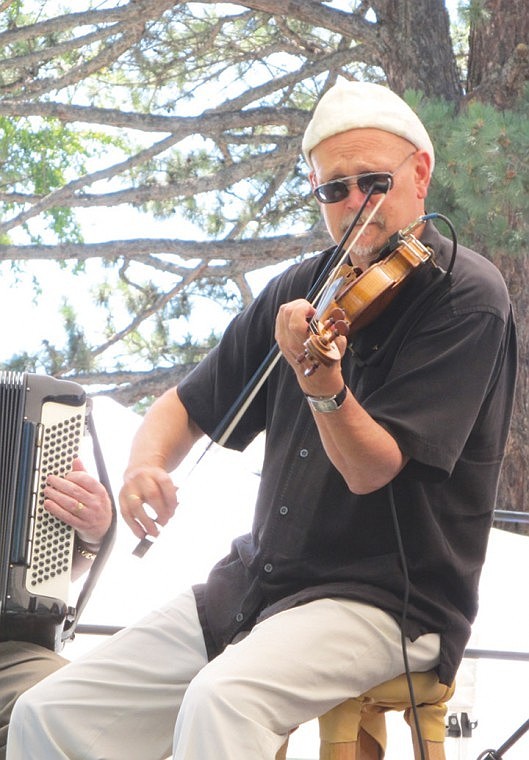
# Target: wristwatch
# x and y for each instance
(327, 403)
(84, 550)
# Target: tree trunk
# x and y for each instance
(514, 485)
(416, 47)
(498, 63)
(498, 69)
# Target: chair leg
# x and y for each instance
(368, 747)
(338, 750)
(432, 750)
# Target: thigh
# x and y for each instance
(22, 664)
(299, 663)
(123, 694)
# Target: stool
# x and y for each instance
(356, 729)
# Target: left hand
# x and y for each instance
(79, 500)
(291, 332)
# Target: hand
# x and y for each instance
(81, 501)
(152, 486)
(292, 330)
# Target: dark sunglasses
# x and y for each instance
(338, 189)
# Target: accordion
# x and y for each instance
(42, 423)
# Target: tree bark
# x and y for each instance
(513, 491)
(417, 50)
(498, 62)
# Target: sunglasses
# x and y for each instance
(338, 189)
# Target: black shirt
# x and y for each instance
(437, 370)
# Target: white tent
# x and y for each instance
(491, 692)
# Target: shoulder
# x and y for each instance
(476, 283)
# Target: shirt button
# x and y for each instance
(239, 617)
(304, 453)
(283, 510)
(268, 567)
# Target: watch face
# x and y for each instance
(323, 404)
(328, 404)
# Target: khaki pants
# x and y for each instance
(150, 686)
(21, 666)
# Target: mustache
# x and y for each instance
(377, 220)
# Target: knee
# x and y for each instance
(18, 719)
(217, 695)
(208, 689)
(28, 706)
(21, 710)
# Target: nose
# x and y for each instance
(355, 197)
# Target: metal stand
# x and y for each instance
(497, 754)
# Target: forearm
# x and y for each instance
(84, 554)
(366, 455)
(165, 435)
(164, 438)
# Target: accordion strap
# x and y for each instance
(107, 542)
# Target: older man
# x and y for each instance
(400, 436)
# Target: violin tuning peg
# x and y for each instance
(312, 369)
(301, 358)
(337, 315)
(341, 327)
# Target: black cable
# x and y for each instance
(405, 600)
(398, 535)
(453, 233)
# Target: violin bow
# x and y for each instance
(232, 417)
(234, 414)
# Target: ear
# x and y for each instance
(312, 179)
(423, 173)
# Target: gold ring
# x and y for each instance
(80, 506)
(134, 497)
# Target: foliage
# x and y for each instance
(482, 177)
(160, 143)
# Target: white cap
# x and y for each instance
(359, 105)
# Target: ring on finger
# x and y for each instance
(134, 497)
(80, 506)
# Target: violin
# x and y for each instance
(353, 299)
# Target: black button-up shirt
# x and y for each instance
(437, 370)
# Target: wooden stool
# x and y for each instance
(356, 728)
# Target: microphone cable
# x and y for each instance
(404, 616)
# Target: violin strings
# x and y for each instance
(313, 323)
(333, 275)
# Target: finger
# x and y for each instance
(78, 505)
(80, 486)
(148, 490)
(66, 509)
(152, 486)
(61, 492)
(140, 521)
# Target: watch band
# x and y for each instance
(85, 551)
(326, 404)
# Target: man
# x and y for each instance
(81, 501)
(306, 610)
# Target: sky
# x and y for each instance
(31, 324)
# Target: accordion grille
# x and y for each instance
(53, 539)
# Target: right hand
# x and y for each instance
(152, 486)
